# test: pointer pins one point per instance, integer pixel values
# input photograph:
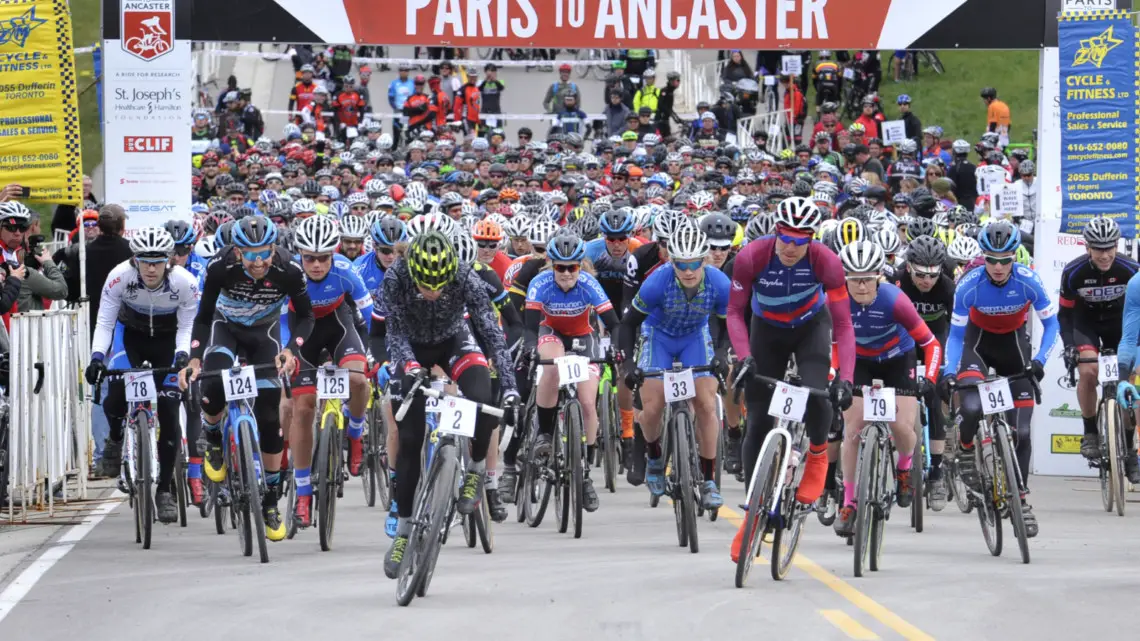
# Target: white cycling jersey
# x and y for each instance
(169, 309)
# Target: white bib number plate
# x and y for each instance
(457, 416)
(140, 387)
(679, 386)
(1109, 369)
(605, 342)
(879, 404)
(332, 385)
(572, 369)
(996, 396)
(241, 385)
(788, 402)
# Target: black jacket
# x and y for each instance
(965, 182)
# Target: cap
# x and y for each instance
(308, 68)
(490, 67)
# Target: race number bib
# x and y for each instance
(849, 73)
(241, 385)
(572, 369)
(1109, 369)
(788, 402)
(431, 404)
(605, 343)
(140, 387)
(996, 396)
(332, 385)
(879, 404)
(679, 386)
(457, 416)
(351, 132)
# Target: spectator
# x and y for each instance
(398, 92)
(253, 124)
(449, 80)
(793, 99)
(468, 103)
(727, 112)
(65, 215)
(911, 121)
(619, 81)
(997, 112)
(440, 100)
(648, 94)
(827, 80)
(616, 114)
(556, 93)
(303, 92)
(349, 109)
(362, 87)
(962, 172)
(341, 65)
(709, 134)
(491, 88)
(419, 112)
(868, 119)
(1027, 185)
(104, 253)
(570, 118)
(932, 145)
(665, 113)
(44, 281)
(636, 61)
(231, 85)
(645, 122)
(735, 69)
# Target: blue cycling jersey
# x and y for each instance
(1000, 309)
(567, 312)
(369, 269)
(197, 266)
(671, 311)
(1126, 351)
(329, 293)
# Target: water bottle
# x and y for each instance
(793, 463)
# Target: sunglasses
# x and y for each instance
(798, 241)
(387, 251)
(90, 223)
(998, 260)
(16, 228)
(151, 260)
(487, 244)
(927, 274)
(316, 258)
(688, 265)
(719, 248)
(253, 256)
(567, 269)
(616, 239)
(183, 250)
(863, 280)
(538, 249)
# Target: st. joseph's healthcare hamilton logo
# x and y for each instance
(147, 28)
(1094, 50)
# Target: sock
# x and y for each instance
(830, 482)
(492, 482)
(355, 427)
(627, 423)
(848, 493)
(733, 431)
(653, 449)
(708, 468)
(935, 467)
(591, 454)
(212, 431)
(392, 475)
(303, 476)
(273, 478)
(1090, 424)
(904, 462)
(546, 418)
(194, 470)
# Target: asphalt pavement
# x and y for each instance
(625, 579)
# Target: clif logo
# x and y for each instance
(147, 28)
(149, 144)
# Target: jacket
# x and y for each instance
(39, 284)
(556, 95)
(615, 118)
(467, 103)
(646, 97)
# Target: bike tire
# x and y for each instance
(411, 572)
(785, 542)
(289, 485)
(468, 525)
(180, 487)
(1117, 449)
(673, 487)
(882, 510)
(689, 470)
(934, 61)
(1105, 472)
(918, 489)
(865, 474)
(485, 52)
(536, 486)
(560, 453)
(611, 436)
(328, 472)
(369, 466)
(254, 490)
(764, 480)
(442, 513)
(241, 518)
(144, 483)
(1004, 442)
(219, 514)
(576, 445)
(583, 55)
(484, 526)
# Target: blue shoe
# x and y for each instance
(655, 476)
(710, 496)
(392, 521)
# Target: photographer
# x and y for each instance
(44, 281)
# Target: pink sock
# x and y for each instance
(904, 462)
(848, 493)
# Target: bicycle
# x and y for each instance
(1111, 425)
(775, 477)
(771, 95)
(609, 429)
(374, 467)
(438, 490)
(919, 487)
(241, 450)
(683, 480)
(1001, 482)
(139, 469)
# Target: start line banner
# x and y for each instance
(39, 105)
(1100, 96)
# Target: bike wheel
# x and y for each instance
(214, 501)
(180, 488)
(1004, 443)
(865, 475)
(1105, 472)
(673, 487)
(369, 467)
(934, 61)
(918, 491)
(885, 499)
(144, 481)
(688, 472)
(584, 55)
(241, 518)
(484, 526)
(289, 485)
(253, 490)
(576, 445)
(785, 542)
(537, 487)
(1117, 448)
(411, 571)
(611, 436)
(765, 476)
(442, 512)
(328, 471)
(485, 52)
(991, 525)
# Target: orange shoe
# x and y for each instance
(737, 541)
(815, 476)
(302, 513)
(197, 491)
(355, 455)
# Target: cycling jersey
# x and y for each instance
(672, 311)
(1126, 353)
(372, 273)
(567, 312)
(168, 309)
(645, 259)
(1000, 309)
(933, 306)
(512, 272)
(1091, 297)
(327, 294)
(611, 272)
(196, 265)
(889, 327)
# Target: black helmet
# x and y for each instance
(922, 201)
(989, 92)
(255, 231)
(802, 189)
(719, 228)
(926, 251)
(181, 231)
(920, 227)
(311, 188)
(587, 227)
(225, 234)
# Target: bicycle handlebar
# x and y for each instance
(1027, 374)
(196, 392)
(699, 369)
(418, 386)
(97, 392)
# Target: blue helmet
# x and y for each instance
(903, 99)
(999, 236)
(566, 246)
(339, 209)
(389, 231)
(254, 231)
(617, 221)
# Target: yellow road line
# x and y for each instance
(850, 627)
(845, 590)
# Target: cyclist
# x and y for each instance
(673, 310)
(559, 302)
(427, 294)
(246, 285)
(488, 234)
(338, 297)
(887, 331)
(538, 235)
(185, 238)
(988, 329)
(146, 312)
(798, 296)
(1091, 314)
(924, 282)
(353, 229)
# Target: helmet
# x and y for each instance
(999, 236)
(908, 146)
(389, 231)
(432, 261)
(989, 92)
(541, 231)
(304, 206)
(586, 227)
(667, 224)
(516, 227)
(206, 248)
(760, 225)
(317, 234)
(215, 220)
(850, 230)
(450, 199)
(889, 240)
(181, 231)
(566, 246)
(464, 246)
(1101, 233)
(353, 227)
(14, 209)
(152, 242)
(964, 249)
(688, 243)
(719, 229)
(424, 223)
(927, 251)
(922, 201)
(487, 230)
(919, 227)
(255, 231)
(861, 257)
(701, 200)
(616, 222)
(798, 213)
(960, 146)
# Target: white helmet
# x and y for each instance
(759, 225)
(206, 247)
(888, 240)
(688, 243)
(14, 209)
(668, 223)
(541, 231)
(430, 222)
(354, 227)
(798, 213)
(384, 142)
(304, 206)
(151, 241)
(517, 226)
(331, 192)
(317, 234)
(464, 246)
(862, 257)
(964, 249)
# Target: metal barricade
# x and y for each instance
(778, 124)
(49, 430)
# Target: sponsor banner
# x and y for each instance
(1098, 119)
(39, 119)
(147, 98)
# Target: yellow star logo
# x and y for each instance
(1095, 49)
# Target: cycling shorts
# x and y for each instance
(1007, 353)
(130, 349)
(1091, 335)
(660, 350)
(586, 345)
(895, 372)
(335, 335)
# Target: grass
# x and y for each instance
(85, 21)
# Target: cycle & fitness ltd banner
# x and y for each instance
(146, 135)
(1099, 101)
(39, 111)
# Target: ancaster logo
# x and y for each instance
(147, 28)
